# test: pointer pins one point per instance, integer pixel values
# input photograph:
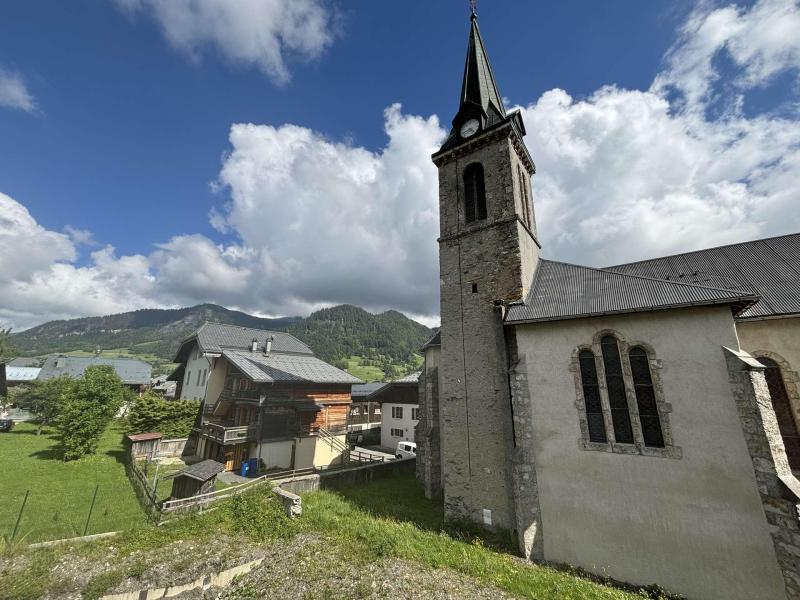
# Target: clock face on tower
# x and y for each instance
(470, 128)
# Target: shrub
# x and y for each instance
(170, 418)
(89, 405)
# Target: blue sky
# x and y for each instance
(117, 121)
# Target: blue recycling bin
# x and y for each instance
(252, 467)
(245, 469)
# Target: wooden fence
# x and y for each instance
(159, 510)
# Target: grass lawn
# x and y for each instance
(61, 493)
(386, 520)
(392, 518)
(364, 373)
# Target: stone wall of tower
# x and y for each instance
(480, 264)
(429, 449)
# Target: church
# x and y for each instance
(639, 421)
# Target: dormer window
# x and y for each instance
(474, 193)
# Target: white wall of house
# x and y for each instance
(397, 423)
(195, 376)
(275, 455)
(694, 524)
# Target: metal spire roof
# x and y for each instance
(479, 87)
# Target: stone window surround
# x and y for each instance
(664, 408)
(791, 380)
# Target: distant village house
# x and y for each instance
(134, 374)
(399, 402)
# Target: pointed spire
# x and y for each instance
(479, 87)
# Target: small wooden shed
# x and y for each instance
(197, 479)
(144, 445)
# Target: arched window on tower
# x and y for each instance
(591, 397)
(783, 411)
(646, 398)
(615, 383)
(474, 193)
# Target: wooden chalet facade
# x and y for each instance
(266, 397)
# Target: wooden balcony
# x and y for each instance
(226, 434)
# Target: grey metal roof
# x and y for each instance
(272, 367)
(565, 291)
(479, 86)
(14, 374)
(769, 268)
(204, 470)
(214, 337)
(362, 390)
(129, 370)
(479, 91)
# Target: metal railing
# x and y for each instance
(334, 442)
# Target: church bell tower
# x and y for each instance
(488, 254)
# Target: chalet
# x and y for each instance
(135, 374)
(265, 396)
(399, 400)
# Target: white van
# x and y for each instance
(405, 450)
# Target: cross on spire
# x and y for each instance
(473, 7)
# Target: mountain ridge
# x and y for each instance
(387, 340)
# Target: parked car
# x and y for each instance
(6, 424)
(405, 450)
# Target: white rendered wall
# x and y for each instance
(694, 525)
(407, 424)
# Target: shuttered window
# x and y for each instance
(591, 397)
(646, 398)
(474, 193)
(783, 411)
(615, 383)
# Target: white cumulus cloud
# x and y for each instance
(622, 177)
(14, 93)
(260, 33)
(761, 41)
(309, 221)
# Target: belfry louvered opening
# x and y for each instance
(474, 193)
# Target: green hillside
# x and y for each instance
(366, 344)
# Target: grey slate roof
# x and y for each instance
(129, 370)
(565, 291)
(436, 340)
(288, 368)
(410, 378)
(24, 361)
(214, 337)
(14, 374)
(363, 390)
(769, 268)
(204, 470)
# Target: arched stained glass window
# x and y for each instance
(615, 383)
(783, 411)
(646, 398)
(591, 397)
(474, 193)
